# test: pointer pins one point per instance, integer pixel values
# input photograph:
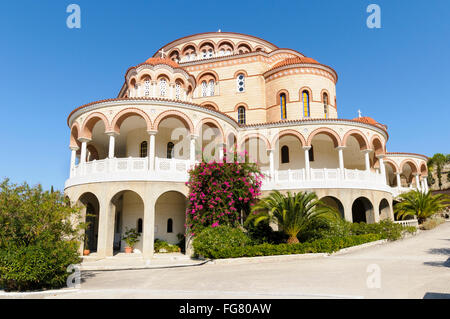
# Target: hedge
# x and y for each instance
(327, 245)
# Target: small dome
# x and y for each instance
(296, 60)
(366, 119)
(155, 61)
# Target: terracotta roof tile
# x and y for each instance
(155, 61)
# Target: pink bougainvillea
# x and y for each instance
(220, 191)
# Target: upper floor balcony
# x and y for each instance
(176, 170)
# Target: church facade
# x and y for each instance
(202, 95)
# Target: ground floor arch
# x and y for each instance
(128, 211)
(362, 210)
(384, 209)
(90, 211)
(334, 203)
(170, 217)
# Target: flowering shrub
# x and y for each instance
(220, 191)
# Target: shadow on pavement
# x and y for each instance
(439, 251)
(86, 275)
(438, 263)
(436, 295)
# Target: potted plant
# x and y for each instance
(86, 250)
(131, 237)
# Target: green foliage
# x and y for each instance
(319, 229)
(387, 229)
(327, 245)
(211, 240)
(419, 204)
(432, 223)
(263, 233)
(36, 266)
(39, 237)
(292, 213)
(131, 237)
(438, 161)
(163, 245)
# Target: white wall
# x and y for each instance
(170, 205)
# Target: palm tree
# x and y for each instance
(422, 205)
(438, 160)
(292, 212)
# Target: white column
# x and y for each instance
(341, 159)
(426, 184)
(367, 159)
(192, 149)
(105, 227)
(382, 167)
(271, 165)
(307, 167)
(151, 150)
(73, 156)
(148, 229)
(221, 147)
(418, 182)
(171, 91)
(399, 180)
(154, 88)
(112, 144)
(83, 149)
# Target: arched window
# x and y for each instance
(147, 87)
(144, 149)
(311, 154)
(162, 87)
(283, 106)
(325, 105)
(204, 89)
(241, 115)
(305, 98)
(139, 225)
(241, 82)
(284, 154)
(170, 225)
(210, 89)
(170, 146)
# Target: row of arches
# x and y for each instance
(209, 49)
(362, 209)
(126, 210)
(305, 98)
(86, 129)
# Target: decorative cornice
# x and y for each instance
(393, 154)
(168, 102)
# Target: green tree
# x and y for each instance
(437, 162)
(39, 237)
(293, 213)
(419, 204)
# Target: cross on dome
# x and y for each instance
(162, 53)
(359, 113)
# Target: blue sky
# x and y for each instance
(398, 74)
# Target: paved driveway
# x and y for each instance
(409, 268)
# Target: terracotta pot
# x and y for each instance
(86, 252)
(128, 250)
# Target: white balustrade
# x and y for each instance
(410, 222)
(176, 170)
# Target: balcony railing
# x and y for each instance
(410, 222)
(324, 178)
(175, 170)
